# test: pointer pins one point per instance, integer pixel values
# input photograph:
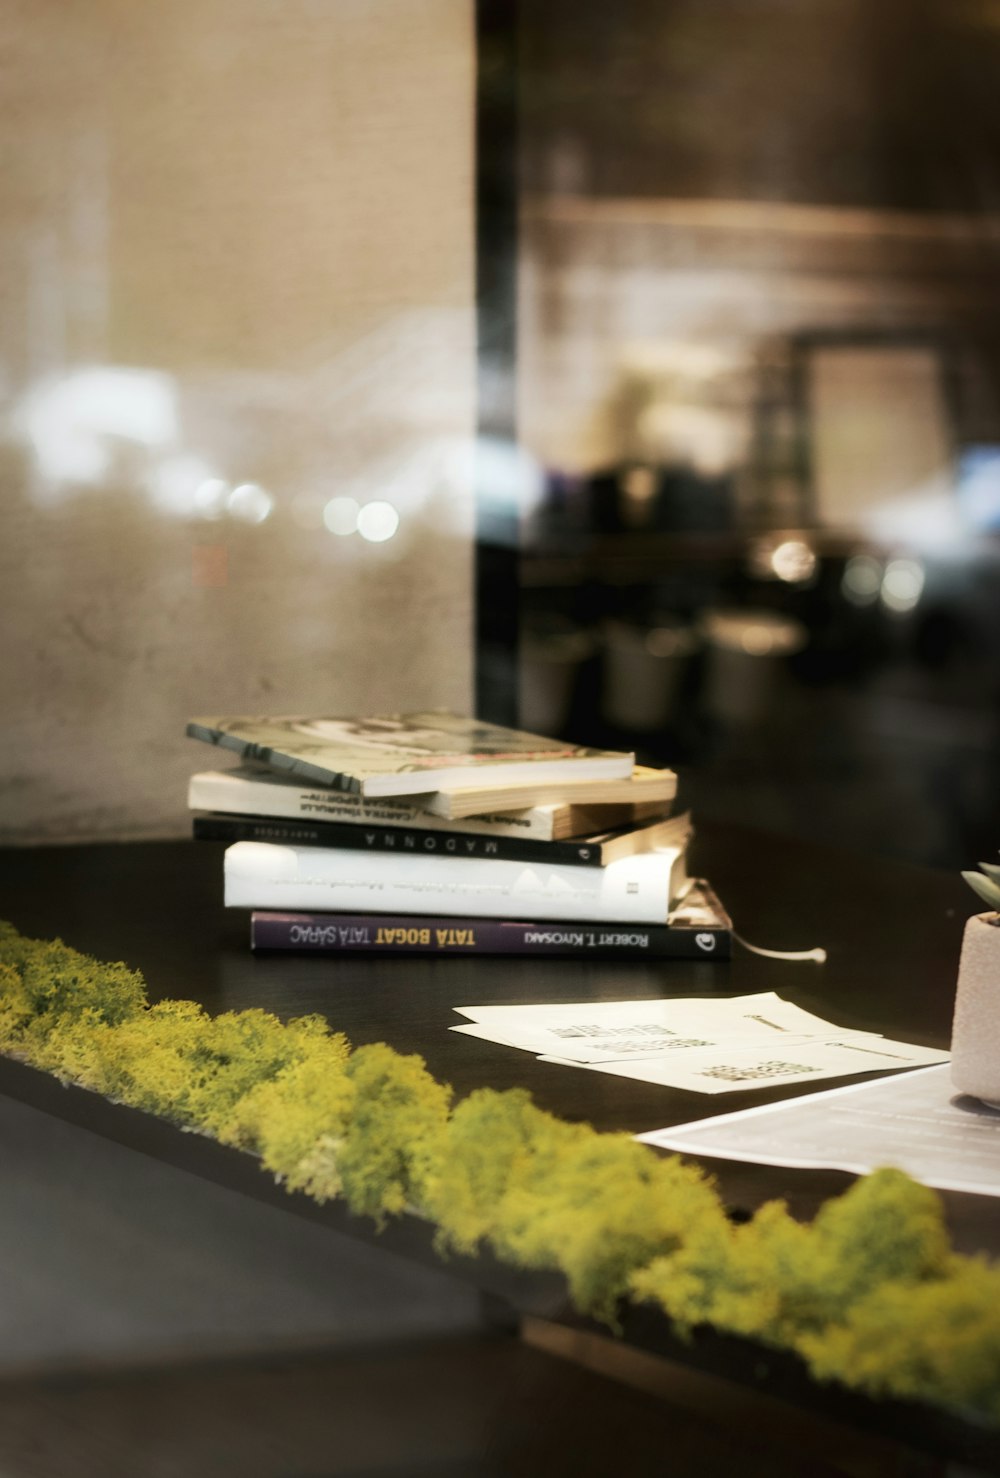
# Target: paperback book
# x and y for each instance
(643, 786)
(698, 928)
(250, 790)
(593, 851)
(407, 754)
(634, 890)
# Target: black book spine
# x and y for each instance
(327, 933)
(396, 839)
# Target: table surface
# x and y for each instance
(892, 933)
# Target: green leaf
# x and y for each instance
(988, 892)
(991, 870)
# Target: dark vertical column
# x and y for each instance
(497, 531)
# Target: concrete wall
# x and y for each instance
(236, 283)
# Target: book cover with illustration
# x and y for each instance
(405, 754)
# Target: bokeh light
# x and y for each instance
(250, 503)
(341, 516)
(378, 522)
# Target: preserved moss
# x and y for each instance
(869, 1294)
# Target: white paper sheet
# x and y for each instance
(608, 1031)
(647, 1009)
(915, 1121)
(732, 1069)
(630, 1045)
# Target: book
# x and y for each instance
(250, 790)
(407, 754)
(643, 786)
(594, 851)
(633, 890)
(698, 929)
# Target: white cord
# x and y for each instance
(819, 955)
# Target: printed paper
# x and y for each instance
(603, 1031)
(730, 1070)
(915, 1121)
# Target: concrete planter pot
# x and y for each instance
(975, 1038)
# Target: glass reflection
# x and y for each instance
(760, 367)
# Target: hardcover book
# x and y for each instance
(250, 790)
(406, 754)
(593, 851)
(636, 890)
(699, 928)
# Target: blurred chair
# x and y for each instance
(644, 670)
(745, 657)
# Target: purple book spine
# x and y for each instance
(386, 933)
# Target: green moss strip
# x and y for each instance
(870, 1293)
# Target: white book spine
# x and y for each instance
(234, 792)
(634, 890)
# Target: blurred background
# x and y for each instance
(758, 394)
(642, 361)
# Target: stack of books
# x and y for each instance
(437, 833)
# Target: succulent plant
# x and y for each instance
(986, 883)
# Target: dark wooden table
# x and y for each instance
(892, 934)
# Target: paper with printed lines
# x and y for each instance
(714, 1044)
